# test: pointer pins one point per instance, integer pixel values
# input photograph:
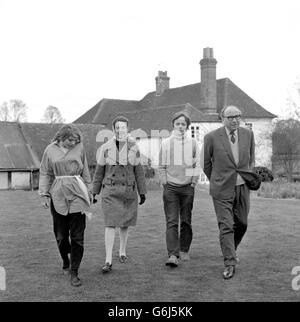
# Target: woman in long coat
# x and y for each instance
(63, 187)
(120, 176)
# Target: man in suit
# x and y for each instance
(226, 151)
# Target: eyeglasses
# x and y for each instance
(230, 118)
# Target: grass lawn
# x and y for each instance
(269, 251)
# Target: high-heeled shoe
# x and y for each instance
(123, 259)
(106, 268)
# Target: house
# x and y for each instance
(22, 146)
(18, 162)
(203, 101)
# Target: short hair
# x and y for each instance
(66, 131)
(225, 108)
(119, 118)
(177, 115)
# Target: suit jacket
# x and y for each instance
(219, 165)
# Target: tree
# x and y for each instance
(286, 146)
(263, 146)
(292, 108)
(52, 115)
(13, 111)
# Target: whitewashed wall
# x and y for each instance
(262, 129)
(3, 180)
(20, 180)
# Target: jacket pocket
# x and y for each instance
(130, 192)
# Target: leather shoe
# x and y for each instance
(123, 259)
(184, 256)
(66, 271)
(75, 280)
(172, 261)
(228, 272)
(106, 268)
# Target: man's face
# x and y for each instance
(180, 124)
(231, 118)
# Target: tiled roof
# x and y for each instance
(233, 95)
(159, 118)
(39, 135)
(21, 156)
(22, 144)
(15, 153)
(227, 94)
(107, 109)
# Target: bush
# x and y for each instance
(279, 189)
(265, 173)
(149, 171)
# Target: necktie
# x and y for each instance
(232, 138)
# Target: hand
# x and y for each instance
(94, 200)
(142, 199)
(91, 196)
(45, 202)
(193, 184)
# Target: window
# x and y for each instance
(192, 131)
(195, 133)
(249, 125)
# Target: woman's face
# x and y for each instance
(70, 142)
(121, 129)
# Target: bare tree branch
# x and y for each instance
(13, 111)
(52, 115)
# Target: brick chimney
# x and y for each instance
(208, 89)
(162, 82)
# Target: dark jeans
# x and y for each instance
(65, 228)
(178, 203)
(232, 216)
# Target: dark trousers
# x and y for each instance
(65, 228)
(232, 216)
(178, 203)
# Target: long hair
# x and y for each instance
(67, 131)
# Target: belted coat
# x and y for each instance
(119, 176)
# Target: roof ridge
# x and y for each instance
(117, 99)
(249, 97)
(193, 84)
(98, 110)
(157, 108)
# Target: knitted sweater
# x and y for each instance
(179, 160)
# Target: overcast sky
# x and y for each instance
(72, 53)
